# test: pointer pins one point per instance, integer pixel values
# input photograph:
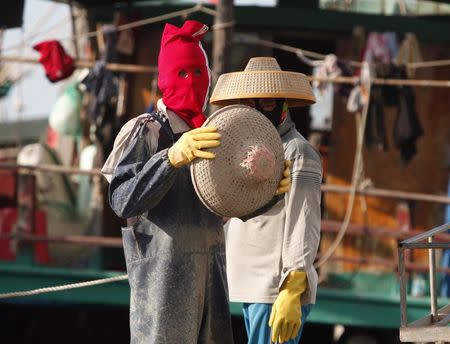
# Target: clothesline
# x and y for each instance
(244, 39)
(266, 43)
(127, 26)
(132, 68)
(312, 54)
(116, 67)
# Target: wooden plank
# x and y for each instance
(424, 334)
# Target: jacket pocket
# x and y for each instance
(130, 246)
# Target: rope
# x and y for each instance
(131, 68)
(152, 20)
(312, 54)
(50, 168)
(138, 23)
(427, 64)
(85, 240)
(62, 287)
(222, 26)
(200, 8)
(325, 187)
(355, 179)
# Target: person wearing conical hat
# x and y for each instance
(174, 246)
(270, 257)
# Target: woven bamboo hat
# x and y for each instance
(263, 78)
(244, 175)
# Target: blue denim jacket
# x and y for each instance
(174, 250)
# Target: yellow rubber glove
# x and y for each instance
(189, 146)
(285, 318)
(285, 183)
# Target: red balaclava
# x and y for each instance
(184, 76)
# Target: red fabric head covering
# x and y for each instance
(184, 76)
(57, 64)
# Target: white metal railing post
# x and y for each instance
(432, 266)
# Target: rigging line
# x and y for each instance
(151, 20)
(355, 177)
(63, 287)
(133, 68)
(312, 54)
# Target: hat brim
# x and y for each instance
(292, 86)
(222, 183)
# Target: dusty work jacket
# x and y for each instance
(263, 250)
(174, 251)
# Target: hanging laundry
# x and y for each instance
(355, 101)
(125, 42)
(111, 38)
(343, 89)
(322, 111)
(375, 134)
(102, 87)
(359, 94)
(328, 68)
(381, 47)
(57, 64)
(102, 84)
(65, 115)
(407, 127)
(409, 52)
(389, 92)
(5, 87)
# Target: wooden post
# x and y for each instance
(222, 39)
(74, 30)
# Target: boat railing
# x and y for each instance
(433, 327)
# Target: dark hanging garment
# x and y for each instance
(102, 85)
(407, 127)
(375, 135)
(389, 92)
(343, 90)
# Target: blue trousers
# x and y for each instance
(256, 317)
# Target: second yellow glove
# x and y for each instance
(285, 183)
(189, 146)
(285, 318)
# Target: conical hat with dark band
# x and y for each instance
(263, 78)
(244, 175)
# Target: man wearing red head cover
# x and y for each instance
(184, 77)
(174, 247)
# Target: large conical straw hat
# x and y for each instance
(263, 78)
(249, 163)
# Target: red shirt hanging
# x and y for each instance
(57, 64)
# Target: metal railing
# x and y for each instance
(433, 327)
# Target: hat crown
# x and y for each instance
(262, 64)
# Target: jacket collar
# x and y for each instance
(176, 123)
(286, 126)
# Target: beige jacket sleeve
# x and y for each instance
(121, 143)
(302, 225)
